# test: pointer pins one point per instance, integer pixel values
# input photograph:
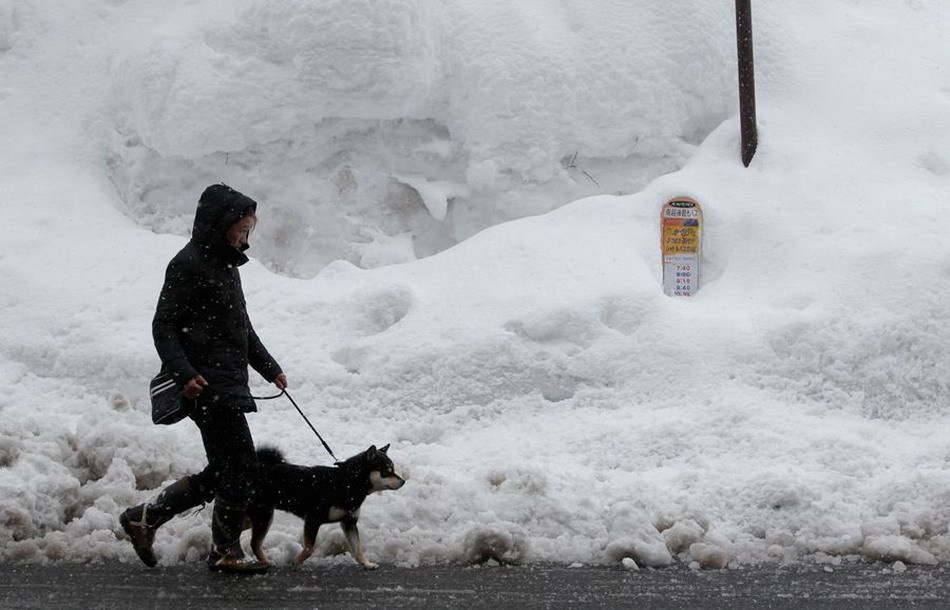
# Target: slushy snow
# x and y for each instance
(458, 254)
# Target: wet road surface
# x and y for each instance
(123, 585)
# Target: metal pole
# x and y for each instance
(749, 132)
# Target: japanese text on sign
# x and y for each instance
(681, 245)
(680, 240)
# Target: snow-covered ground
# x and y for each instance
(458, 254)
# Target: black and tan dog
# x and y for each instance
(318, 495)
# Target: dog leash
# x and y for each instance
(294, 403)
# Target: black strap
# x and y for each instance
(269, 397)
(294, 403)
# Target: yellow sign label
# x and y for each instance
(680, 240)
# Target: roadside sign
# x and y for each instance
(681, 241)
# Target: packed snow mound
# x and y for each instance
(519, 107)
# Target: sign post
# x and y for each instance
(681, 241)
(748, 131)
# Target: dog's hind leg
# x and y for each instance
(352, 534)
(260, 524)
(310, 528)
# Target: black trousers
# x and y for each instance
(232, 460)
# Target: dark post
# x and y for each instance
(750, 135)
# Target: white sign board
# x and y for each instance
(681, 241)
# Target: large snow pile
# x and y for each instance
(543, 397)
(386, 131)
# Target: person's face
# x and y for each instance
(238, 232)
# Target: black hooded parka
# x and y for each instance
(201, 326)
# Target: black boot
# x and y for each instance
(226, 555)
(140, 522)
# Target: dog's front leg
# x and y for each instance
(310, 528)
(352, 535)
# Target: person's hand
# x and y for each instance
(281, 382)
(194, 387)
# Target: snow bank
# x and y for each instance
(524, 107)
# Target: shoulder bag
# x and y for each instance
(169, 405)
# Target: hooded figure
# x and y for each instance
(201, 327)
(205, 340)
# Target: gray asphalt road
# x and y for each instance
(118, 585)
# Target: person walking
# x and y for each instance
(205, 340)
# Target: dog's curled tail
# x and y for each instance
(270, 455)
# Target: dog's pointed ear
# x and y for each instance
(372, 449)
(384, 449)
